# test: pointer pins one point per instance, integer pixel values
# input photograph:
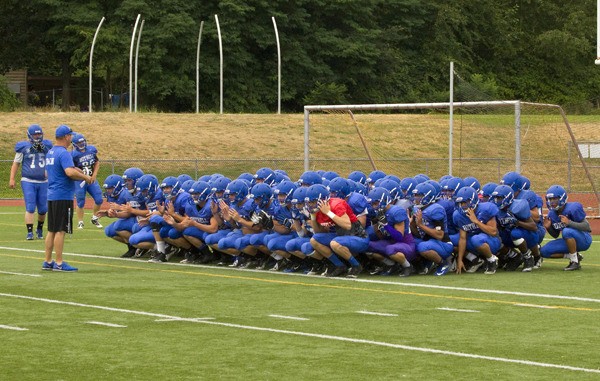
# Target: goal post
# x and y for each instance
(489, 138)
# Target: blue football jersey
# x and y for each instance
(517, 211)
(395, 215)
(572, 210)
(485, 211)
(358, 203)
(434, 215)
(85, 160)
(33, 161)
(200, 214)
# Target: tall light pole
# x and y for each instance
(279, 66)
(92, 59)
(221, 66)
(598, 33)
(137, 54)
(137, 20)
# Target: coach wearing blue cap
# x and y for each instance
(62, 174)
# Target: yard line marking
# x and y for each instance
(22, 274)
(106, 324)
(315, 335)
(376, 313)
(178, 319)
(368, 281)
(289, 317)
(456, 309)
(534, 306)
(12, 328)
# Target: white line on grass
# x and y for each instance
(12, 328)
(376, 313)
(370, 281)
(534, 306)
(315, 335)
(179, 319)
(106, 324)
(288, 317)
(21, 274)
(455, 309)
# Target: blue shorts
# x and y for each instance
(144, 235)
(36, 196)
(214, 238)
(443, 249)
(93, 189)
(583, 240)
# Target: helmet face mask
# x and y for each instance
(113, 186)
(236, 192)
(314, 194)
(466, 198)
(503, 196)
(200, 191)
(379, 198)
(423, 195)
(556, 197)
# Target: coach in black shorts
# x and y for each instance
(62, 174)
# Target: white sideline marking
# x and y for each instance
(455, 309)
(534, 306)
(315, 335)
(11, 273)
(9, 213)
(288, 317)
(179, 319)
(376, 313)
(12, 328)
(106, 324)
(370, 281)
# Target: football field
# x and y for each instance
(129, 319)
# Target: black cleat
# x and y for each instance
(529, 264)
(130, 253)
(512, 264)
(406, 271)
(573, 266)
(337, 271)
(491, 267)
(354, 271)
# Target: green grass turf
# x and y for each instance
(60, 344)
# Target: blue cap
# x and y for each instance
(63, 130)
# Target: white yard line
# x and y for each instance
(369, 281)
(313, 335)
(21, 274)
(288, 317)
(12, 328)
(534, 306)
(455, 309)
(106, 324)
(179, 319)
(376, 313)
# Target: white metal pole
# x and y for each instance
(137, 54)
(598, 33)
(137, 20)
(518, 137)
(451, 133)
(220, 66)
(198, 68)
(92, 59)
(279, 66)
(306, 138)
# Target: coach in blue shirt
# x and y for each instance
(62, 174)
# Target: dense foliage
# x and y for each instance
(355, 51)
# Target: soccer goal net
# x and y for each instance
(486, 139)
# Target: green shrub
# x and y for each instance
(8, 100)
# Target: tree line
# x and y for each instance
(333, 51)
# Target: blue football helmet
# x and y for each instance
(78, 141)
(265, 175)
(360, 188)
(114, 182)
(407, 185)
(393, 177)
(503, 196)
(261, 193)
(393, 187)
(379, 198)
(526, 183)
(131, 176)
(330, 175)
(472, 182)
(451, 187)
(423, 195)
(466, 198)
(287, 188)
(237, 191)
(183, 178)
(174, 184)
(246, 176)
(445, 177)
(310, 178)
(187, 185)
(487, 190)
(299, 196)
(314, 193)
(146, 187)
(374, 176)
(358, 176)
(35, 134)
(205, 178)
(513, 180)
(200, 191)
(556, 197)
(219, 185)
(421, 178)
(339, 187)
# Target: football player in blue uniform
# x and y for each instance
(85, 158)
(478, 231)
(517, 229)
(146, 202)
(430, 228)
(568, 220)
(31, 156)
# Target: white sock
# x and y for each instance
(388, 261)
(493, 258)
(470, 256)
(406, 264)
(573, 257)
(160, 246)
